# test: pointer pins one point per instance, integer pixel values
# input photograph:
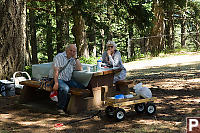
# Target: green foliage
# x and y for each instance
(115, 20)
(28, 69)
(90, 60)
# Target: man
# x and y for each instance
(63, 66)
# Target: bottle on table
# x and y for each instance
(99, 64)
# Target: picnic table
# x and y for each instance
(81, 99)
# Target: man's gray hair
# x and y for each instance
(112, 43)
(68, 46)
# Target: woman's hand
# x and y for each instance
(109, 52)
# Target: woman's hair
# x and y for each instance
(112, 43)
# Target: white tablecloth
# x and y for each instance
(42, 70)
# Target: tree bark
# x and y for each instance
(60, 19)
(12, 37)
(197, 38)
(183, 31)
(33, 40)
(183, 27)
(49, 37)
(156, 40)
(92, 40)
(103, 44)
(170, 31)
(130, 47)
(79, 33)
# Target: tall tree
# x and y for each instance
(13, 36)
(79, 31)
(33, 30)
(169, 24)
(62, 24)
(194, 22)
(156, 40)
(49, 37)
(183, 26)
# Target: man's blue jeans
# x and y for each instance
(63, 89)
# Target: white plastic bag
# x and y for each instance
(143, 91)
(53, 96)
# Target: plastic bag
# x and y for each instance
(53, 96)
(120, 96)
(143, 91)
(128, 96)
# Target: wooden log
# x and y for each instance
(31, 83)
(80, 92)
(123, 86)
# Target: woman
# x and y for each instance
(112, 57)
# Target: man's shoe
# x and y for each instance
(61, 112)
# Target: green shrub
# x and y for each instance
(28, 69)
(90, 60)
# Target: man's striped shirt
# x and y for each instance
(59, 61)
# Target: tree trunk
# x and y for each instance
(79, 33)
(59, 26)
(130, 47)
(13, 37)
(49, 37)
(33, 40)
(92, 39)
(183, 27)
(197, 38)
(169, 31)
(108, 32)
(156, 40)
(28, 51)
(103, 45)
(183, 32)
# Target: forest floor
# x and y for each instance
(173, 80)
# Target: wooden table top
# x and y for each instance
(36, 84)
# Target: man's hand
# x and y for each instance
(74, 56)
(78, 65)
(55, 87)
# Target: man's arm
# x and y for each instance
(55, 76)
(78, 65)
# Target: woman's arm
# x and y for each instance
(117, 58)
(105, 57)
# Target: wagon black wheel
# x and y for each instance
(150, 108)
(109, 111)
(140, 107)
(119, 114)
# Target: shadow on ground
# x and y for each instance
(176, 87)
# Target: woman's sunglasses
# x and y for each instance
(110, 46)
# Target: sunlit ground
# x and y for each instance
(176, 85)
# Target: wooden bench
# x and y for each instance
(80, 100)
(77, 100)
(30, 86)
(85, 100)
(123, 86)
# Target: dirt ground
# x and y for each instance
(176, 85)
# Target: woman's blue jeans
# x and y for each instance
(63, 89)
